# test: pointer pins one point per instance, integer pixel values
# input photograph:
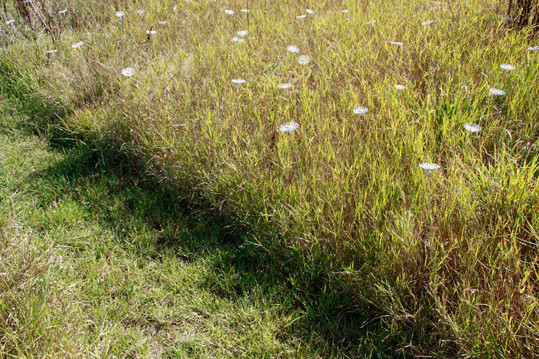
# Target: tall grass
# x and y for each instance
(360, 214)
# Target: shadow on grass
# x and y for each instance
(325, 315)
(129, 197)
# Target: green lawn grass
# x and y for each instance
(89, 236)
(443, 265)
(98, 261)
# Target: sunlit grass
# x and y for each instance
(358, 214)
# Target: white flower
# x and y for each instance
(245, 10)
(151, 32)
(507, 67)
(371, 22)
(237, 40)
(396, 43)
(345, 11)
(162, 22)
(140, 12)
(285, 85)
(534, 48)
(62, 12)
(304, 59)
(301, 16)
(472, 127)
(242, 33)
(52, 51)
(229, 12)
(309, 11)
(120, 14)
(128, 71)
(293, 48)
(427, 23)
(238, 81)
(429, 167)
(289, 127)
(360, 110)
(9, 22)
(77, 45)
(496, 92)
(400, 87)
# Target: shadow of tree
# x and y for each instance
(130, 197)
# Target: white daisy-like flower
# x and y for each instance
(396, 43)
(151, 32)
(242, 33)
(507, 67)
(533, 48)
(77, 45)
(53, 51)
(289, 127)
(9, 22)
(120, 13)
(304, 59)
(496, 92)
(345, 11)
(229, 12)
(293, 49)
(429, 167)
(128, 71)
(62, 12)
(360, 110)
(427, 23)
(162, 22)
(140, 12)
(237, 40)
(238, 81)
(309, 11)
(371, 22)
(245, 10)
(472, 127)
(301, 16)
(175, 8)
(400, 87)
(285, 85)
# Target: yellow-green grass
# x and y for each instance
(457, 280)
(98, 261)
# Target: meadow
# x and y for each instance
(381, 155)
